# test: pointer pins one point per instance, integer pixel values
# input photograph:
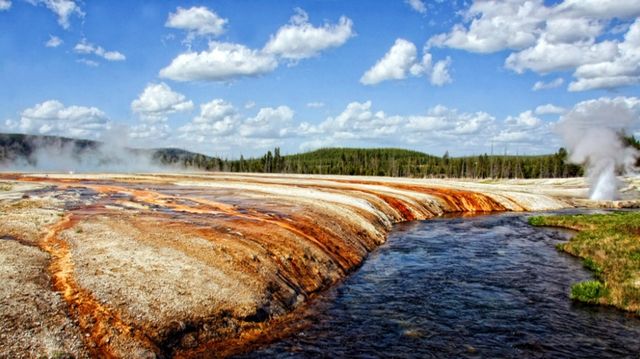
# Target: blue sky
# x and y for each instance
(240, 77)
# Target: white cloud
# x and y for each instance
(570, 30)
(563, 37)
(541, 85)
(417, 5)
(157, 101)
(545, 57)
(217, 118)
(600, 8)
(198, 20)
(525, 129)
(53, 41)
(268, 123)
(299, 39)
(525, 119)
(402, 61)
(549, 109)
(225, 61)
(62, 8)
(440, 74)
(53, 118)
(496, 25)
(222, 61)
(5, 5)
(86, 48)
(359, 124)
(621, 69)
(315, 104)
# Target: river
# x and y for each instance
(484, 286)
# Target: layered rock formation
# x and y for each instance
(201, 265)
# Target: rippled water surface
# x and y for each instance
(487, 286)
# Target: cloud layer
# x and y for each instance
(569, 36)
(220, 127)
(53, 118)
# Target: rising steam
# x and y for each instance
(57, 154)
(593, 133)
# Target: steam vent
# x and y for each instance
(205, 265)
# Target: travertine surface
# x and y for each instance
(202, 264)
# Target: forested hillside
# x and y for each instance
(398, 162)
(336, 161)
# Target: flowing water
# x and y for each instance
(486, 286)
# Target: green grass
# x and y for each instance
(589, 291)
(609, 245)
(5, 186)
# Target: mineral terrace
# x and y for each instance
(202, 265)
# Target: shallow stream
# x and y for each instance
(485, 286)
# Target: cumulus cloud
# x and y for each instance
(545, 57)
(217, 118)
(496, 25)
(5, 5)
(566, 36)
(53, 41)
(299, 39)
(620, 69)
(417, 5)
(525, 119)
(360, 124)
(399, 62)
(197, 20)
(549, 109)
(440, 74)
(623, 9)
(53, 118)
(402, 61)
(541, 85)
(526, 130)
(222, 61)
(86, 48)
(157, 101)
(62, 8)
(268, 123)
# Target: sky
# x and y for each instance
(234, 77)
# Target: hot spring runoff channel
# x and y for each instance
(485, 286)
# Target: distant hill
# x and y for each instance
(61, 153)
(406, 163)
(19, 150)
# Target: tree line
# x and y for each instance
(396, 163)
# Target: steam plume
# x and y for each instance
(57, 154)
(592, 132)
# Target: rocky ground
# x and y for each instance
(200, 265)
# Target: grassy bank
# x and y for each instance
(609, 245)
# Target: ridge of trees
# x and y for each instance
(397, 163)
(337, 161)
